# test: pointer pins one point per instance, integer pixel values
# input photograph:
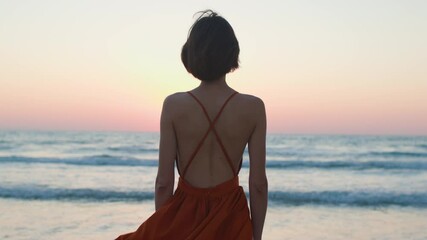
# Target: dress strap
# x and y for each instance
(211, 128)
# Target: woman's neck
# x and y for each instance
(218, 84)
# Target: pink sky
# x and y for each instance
(336, 68)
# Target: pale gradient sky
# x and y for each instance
(332, 67)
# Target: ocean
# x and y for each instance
(97, 185)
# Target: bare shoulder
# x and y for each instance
(174, 99)
(251, 101)
(173, 104)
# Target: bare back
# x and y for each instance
(233, 127)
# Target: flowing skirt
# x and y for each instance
(220, 212)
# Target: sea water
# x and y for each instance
(97, 185)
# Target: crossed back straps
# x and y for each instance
(211, 128)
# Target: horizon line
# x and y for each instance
(268, 132)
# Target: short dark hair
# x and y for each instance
(211, 49)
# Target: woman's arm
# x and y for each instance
(167, 154)
(258, 185)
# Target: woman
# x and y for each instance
(205, 131)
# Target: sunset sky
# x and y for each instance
(321, 67)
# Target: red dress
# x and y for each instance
(219, 212)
